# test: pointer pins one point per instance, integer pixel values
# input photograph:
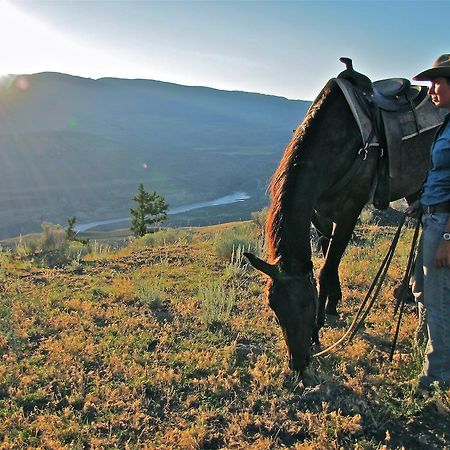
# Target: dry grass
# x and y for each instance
(115, 354)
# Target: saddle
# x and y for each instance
(392, 94)
(397, 94)
(388, 113)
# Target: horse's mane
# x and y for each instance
(280, 186)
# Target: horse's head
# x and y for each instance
(293, 299)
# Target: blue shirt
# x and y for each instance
(436, 188)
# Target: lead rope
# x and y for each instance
(375, 288)
(401, 294)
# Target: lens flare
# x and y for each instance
(22, 83)
(72, 122)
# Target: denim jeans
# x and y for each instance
(431, 289)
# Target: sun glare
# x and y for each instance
(30, 45)
(20, 36)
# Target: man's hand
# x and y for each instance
(442, 256)
(414, 209)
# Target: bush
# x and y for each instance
(52, 249)
(4, 258)
(237, 265)
(65, 254)
(216, 302)
(100, 248)
(229, 241)
(165, 237)
(150, 292)
(367, 216)
(23, 248)
(259, 218)
(53, 237)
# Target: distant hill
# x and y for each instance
(77, 146)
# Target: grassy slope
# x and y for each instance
(113, 352)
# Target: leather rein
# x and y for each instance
(374, 290)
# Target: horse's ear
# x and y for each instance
(264, 267)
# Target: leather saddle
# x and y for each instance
(392, 94)
(397, 94)
(383, 110)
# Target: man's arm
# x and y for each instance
(442, 256)
(414, 210)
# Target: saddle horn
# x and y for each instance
(358, 80)
(347, 61)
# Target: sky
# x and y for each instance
(285, 48)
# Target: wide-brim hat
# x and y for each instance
(441, 68)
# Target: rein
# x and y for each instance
(401, 294)
(373, 292)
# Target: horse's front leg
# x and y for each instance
(324, 227)
(330, 292)
(329, 288)
(329, 296)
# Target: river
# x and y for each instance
(226, 200)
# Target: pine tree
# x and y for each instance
(150, 208)
(70, 230)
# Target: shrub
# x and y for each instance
(52, 249)
(230, 240)
(100, 248)
(3, 261)
(366, 216)
(216, 302)
(64, 255)
(165, 237)
(237, 265)
(259, 218)
(8, 329)
(150, 292)
(25, 248)
(53, 237)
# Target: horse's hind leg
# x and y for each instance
(324, 228)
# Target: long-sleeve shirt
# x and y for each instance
(436, 188)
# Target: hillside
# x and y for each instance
(140, 348)
(76, 146)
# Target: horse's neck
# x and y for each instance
(325, 153)
(295, 247)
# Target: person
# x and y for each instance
(431, 281)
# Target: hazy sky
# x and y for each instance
(286, 48)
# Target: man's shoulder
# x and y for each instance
(445, 130)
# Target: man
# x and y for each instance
(432, 274)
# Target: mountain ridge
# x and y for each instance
(86, 144)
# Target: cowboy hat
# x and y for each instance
(441, 68)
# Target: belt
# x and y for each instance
(443, 207)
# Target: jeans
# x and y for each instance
(431, 289)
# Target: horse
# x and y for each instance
(322, 152)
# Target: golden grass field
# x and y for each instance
(167, 343)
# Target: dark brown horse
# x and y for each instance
(321, 153)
